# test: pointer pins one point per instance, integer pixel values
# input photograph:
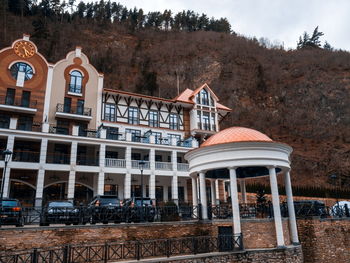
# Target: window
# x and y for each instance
(25, 123)
(112, 133)
(62, 127)
(176, 136)
(67, 105)
(157, 137)
(213, 122)
(21, 70)
(199, 118)
(75, 84)
(110, 112)
(205, 121)
(153, 119)
(25, 99)
(205, 97)
(10, 97)
(173, 123)
(133, 115)
(135, 135)
(80, 107)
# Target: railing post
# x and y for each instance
(105, 257)
(168, 248)
(194, 244)
(66, 254)
(138, 252)
(35, 256)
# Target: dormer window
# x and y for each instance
(76, 80)
(204, 97)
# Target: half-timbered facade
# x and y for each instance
(72, 138)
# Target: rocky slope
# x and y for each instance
(297, 97)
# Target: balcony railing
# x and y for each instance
(89, 133)
(29, 126)
(58, 158)
(135, 164)
(26, 156)
(77, 110)
(83, 160)
(6, 100)
(182, 167)
(164, 166)
(58, 130)
(118, 163)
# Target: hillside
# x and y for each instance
(298, 97)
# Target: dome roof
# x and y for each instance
(236, 134)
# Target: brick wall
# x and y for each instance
(256, 233)
(288, 255)
(325, 240)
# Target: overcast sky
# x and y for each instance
(278, 20)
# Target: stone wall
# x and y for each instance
(288, 255)
(325, 240)
(256, 233)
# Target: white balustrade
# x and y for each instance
(164, 166)
(119, 163)
(182, 167)
(135, 164)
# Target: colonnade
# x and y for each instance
(233, 188)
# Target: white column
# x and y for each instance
(127, 186)
(174, 160)
(223, 186)
(234, 201)
(194, 191)
(128, 158)
(13, 123)
(165, 193)
(276, 207)
(41, 173)
(203, 194)
(217, 191)
(152, 187)
(9, 146)
(174, 189)
(71, 178)
(152, 159)
(213, 192)
(291, 212)
(243, 191)
(101, 174)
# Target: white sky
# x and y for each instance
(278, 20)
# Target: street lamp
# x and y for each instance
(7, 156)
(141, 165)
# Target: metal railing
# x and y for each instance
(118, 163)
(89, 133)
(83, 160)
(77, 110)
(127, 250)
(58, 158)
(182, 167)
(11, 101)
(25, 156)
(58, 130)
(135, 164)
(164, 166)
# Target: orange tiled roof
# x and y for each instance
(236, 134)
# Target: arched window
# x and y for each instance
(21, 70)
(205, 97)
(76, 80)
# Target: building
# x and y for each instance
(73, 138)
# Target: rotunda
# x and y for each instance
(239, 153)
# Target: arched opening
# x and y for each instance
(22, 191)
(55, 191)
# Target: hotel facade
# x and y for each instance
(72, 138)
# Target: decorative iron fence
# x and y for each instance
(127, 250)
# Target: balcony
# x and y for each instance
(58, 130)
(58, 158)
(182, 167)
(167, 166)
(25, 156)
(89, 133)
(77, 113)
(116, 163)
(18, 105)
(135, 164)
(82, 160)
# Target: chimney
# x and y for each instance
(26, 37)
(77, 51)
